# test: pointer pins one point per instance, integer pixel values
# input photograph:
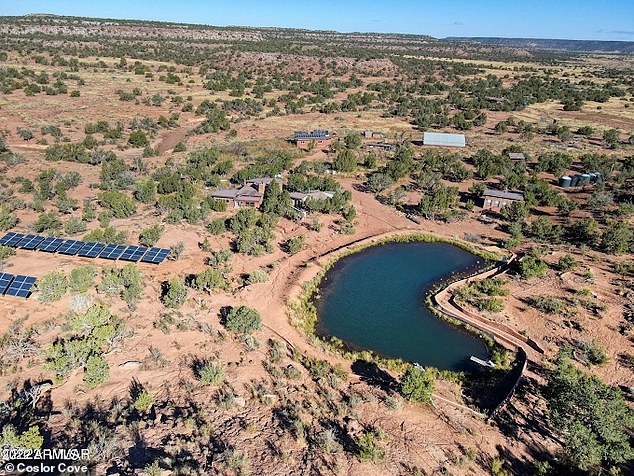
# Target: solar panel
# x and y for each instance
(29, 242)
(156, 255)
(11, 239)
(133, 253)
(10, 236)
(112, 251)
(91, 250)
(50, 244)
(21, 286)
(70, 247)
(5, 279)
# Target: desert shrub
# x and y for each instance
(369, 448)
(151, 235)
(96, 371)
(74, 225)
(176, 251)
(124, 282)
(480, 294)
(52, 286)
(295, 244)
(109, 234)
(5, 252)
(594, 351)
(217, 226)
(143, 402)
(567, 263)
(82, 279)
(175, 294)
(418, 384)
(531, 267)
(48, 222)
(209, 279)
(7, 219)
(145, 191)
(138, 139)
(258, 276)
(548, 304)
(118, 203)
(243, 319)
(210, 373)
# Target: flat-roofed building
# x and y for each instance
(496, 199)
(443, 139)
(315, 138)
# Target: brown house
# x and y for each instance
(319, 138)
(246, 196)
(496, 199)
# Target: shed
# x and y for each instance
(444, 139)
(517, 156)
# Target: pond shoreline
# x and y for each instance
(303, 312)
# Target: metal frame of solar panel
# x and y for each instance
(70, 247)
(30, 242)
(155, 255)
(20, 286)
(50, 244)
(5, 280)
(91, 250)
(133, 253)
(11, 239)
(112, 252)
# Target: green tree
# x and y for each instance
(346, 161)
(118, 203)
(96, 371)
(530, 267)
(440, 203)
(47, 222)
(243, 320)
(138, 139)
(295, 244)
(52, 286)
(276, 201)
(618, 238)
(593, 419)
(7, 219)
(175, 294)
(612, 138)
(209, 279)
(145, 191)
(151, 235)
(82, 279)
(418, 384)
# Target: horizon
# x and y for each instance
(458, 18)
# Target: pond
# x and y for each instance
(375, 300)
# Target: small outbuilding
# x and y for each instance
(496, 199)
(316, 138)
(516, 156)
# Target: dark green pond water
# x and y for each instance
(374, 300)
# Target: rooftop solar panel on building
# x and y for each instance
(91, 250)
(156, 255)
(21, 286)
(5, 279)
(70, 247)
(30, 242)
(11, 238)
(50, 244)
(112, 251)
(133, 253)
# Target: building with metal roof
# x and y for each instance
(443, 139)
(496, 199)
(516, 156)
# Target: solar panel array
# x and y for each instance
(19, 285)
(85, 249)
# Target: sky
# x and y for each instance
(566, 19)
